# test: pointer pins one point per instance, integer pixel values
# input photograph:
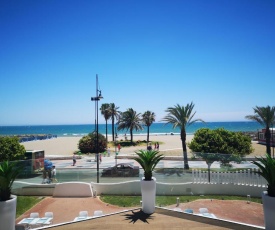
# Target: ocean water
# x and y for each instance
(155, 129)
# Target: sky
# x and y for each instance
(148, 55)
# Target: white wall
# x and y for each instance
(133, 188)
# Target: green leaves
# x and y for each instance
(221, 141)
(8, 173)
(267, 167)
(87, 144)
(148, 160)
(11, 149)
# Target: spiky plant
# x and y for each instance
(148, 160)
(8, 172)
(267, 167)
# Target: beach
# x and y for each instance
(169, 145)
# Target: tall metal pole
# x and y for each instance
(97, 150)
(96, 99)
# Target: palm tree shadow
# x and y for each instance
(139, 215)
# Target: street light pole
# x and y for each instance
(96, 99)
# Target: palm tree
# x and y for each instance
(266, 117)
(105, 111)
(114, 114)
(148, 118)
(180, 116)
(129, 120)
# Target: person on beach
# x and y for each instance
(54, 174)
(149, 146)
(109, 151)
(118, 147)
(157, 146)
(74, 159)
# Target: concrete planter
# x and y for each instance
(269, 211)
(8, 213)
(148, 193)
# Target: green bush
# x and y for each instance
(11, 149)
(221, 145)
(221, 141)
(87, 144)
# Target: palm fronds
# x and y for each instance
(267, 167)
(148, 160)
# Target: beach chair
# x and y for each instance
(177, 209)
(98, 213)
(34, 215)
(188, 210)
(83, 214)
(205, 212)
(50, 215)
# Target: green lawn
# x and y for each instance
(24, 203)
(133, 201)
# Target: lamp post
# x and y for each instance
(96, 99)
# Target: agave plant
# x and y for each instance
(148, 159)
(8, 172)
(267, 167)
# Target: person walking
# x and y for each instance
(118, 147)
(74, 159)
(54, 174)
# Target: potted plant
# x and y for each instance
(8, 172)
(267, 171)
(148, 160)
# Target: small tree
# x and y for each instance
(226, 145)
(88, 144)
(148, 118)
(11, 149)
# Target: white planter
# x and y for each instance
(148, 193)
(269, 211)
(8, 213)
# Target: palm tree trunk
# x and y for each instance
(147, 135)
(267, 138)
(131, 133)
(183, 141)
(113, 127)
(106, 132)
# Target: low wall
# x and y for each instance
(30, 189)
(73, 189)
(133, 188)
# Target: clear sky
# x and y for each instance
(148, 54)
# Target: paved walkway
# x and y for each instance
(89, 162)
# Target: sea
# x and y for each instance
(155, 129)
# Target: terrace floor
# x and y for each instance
(66, 209)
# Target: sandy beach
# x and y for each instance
(170, 145)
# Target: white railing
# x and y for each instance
(243, 177)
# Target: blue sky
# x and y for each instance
(149, 55)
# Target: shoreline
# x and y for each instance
(170, 145)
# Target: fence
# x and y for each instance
(248, 177)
